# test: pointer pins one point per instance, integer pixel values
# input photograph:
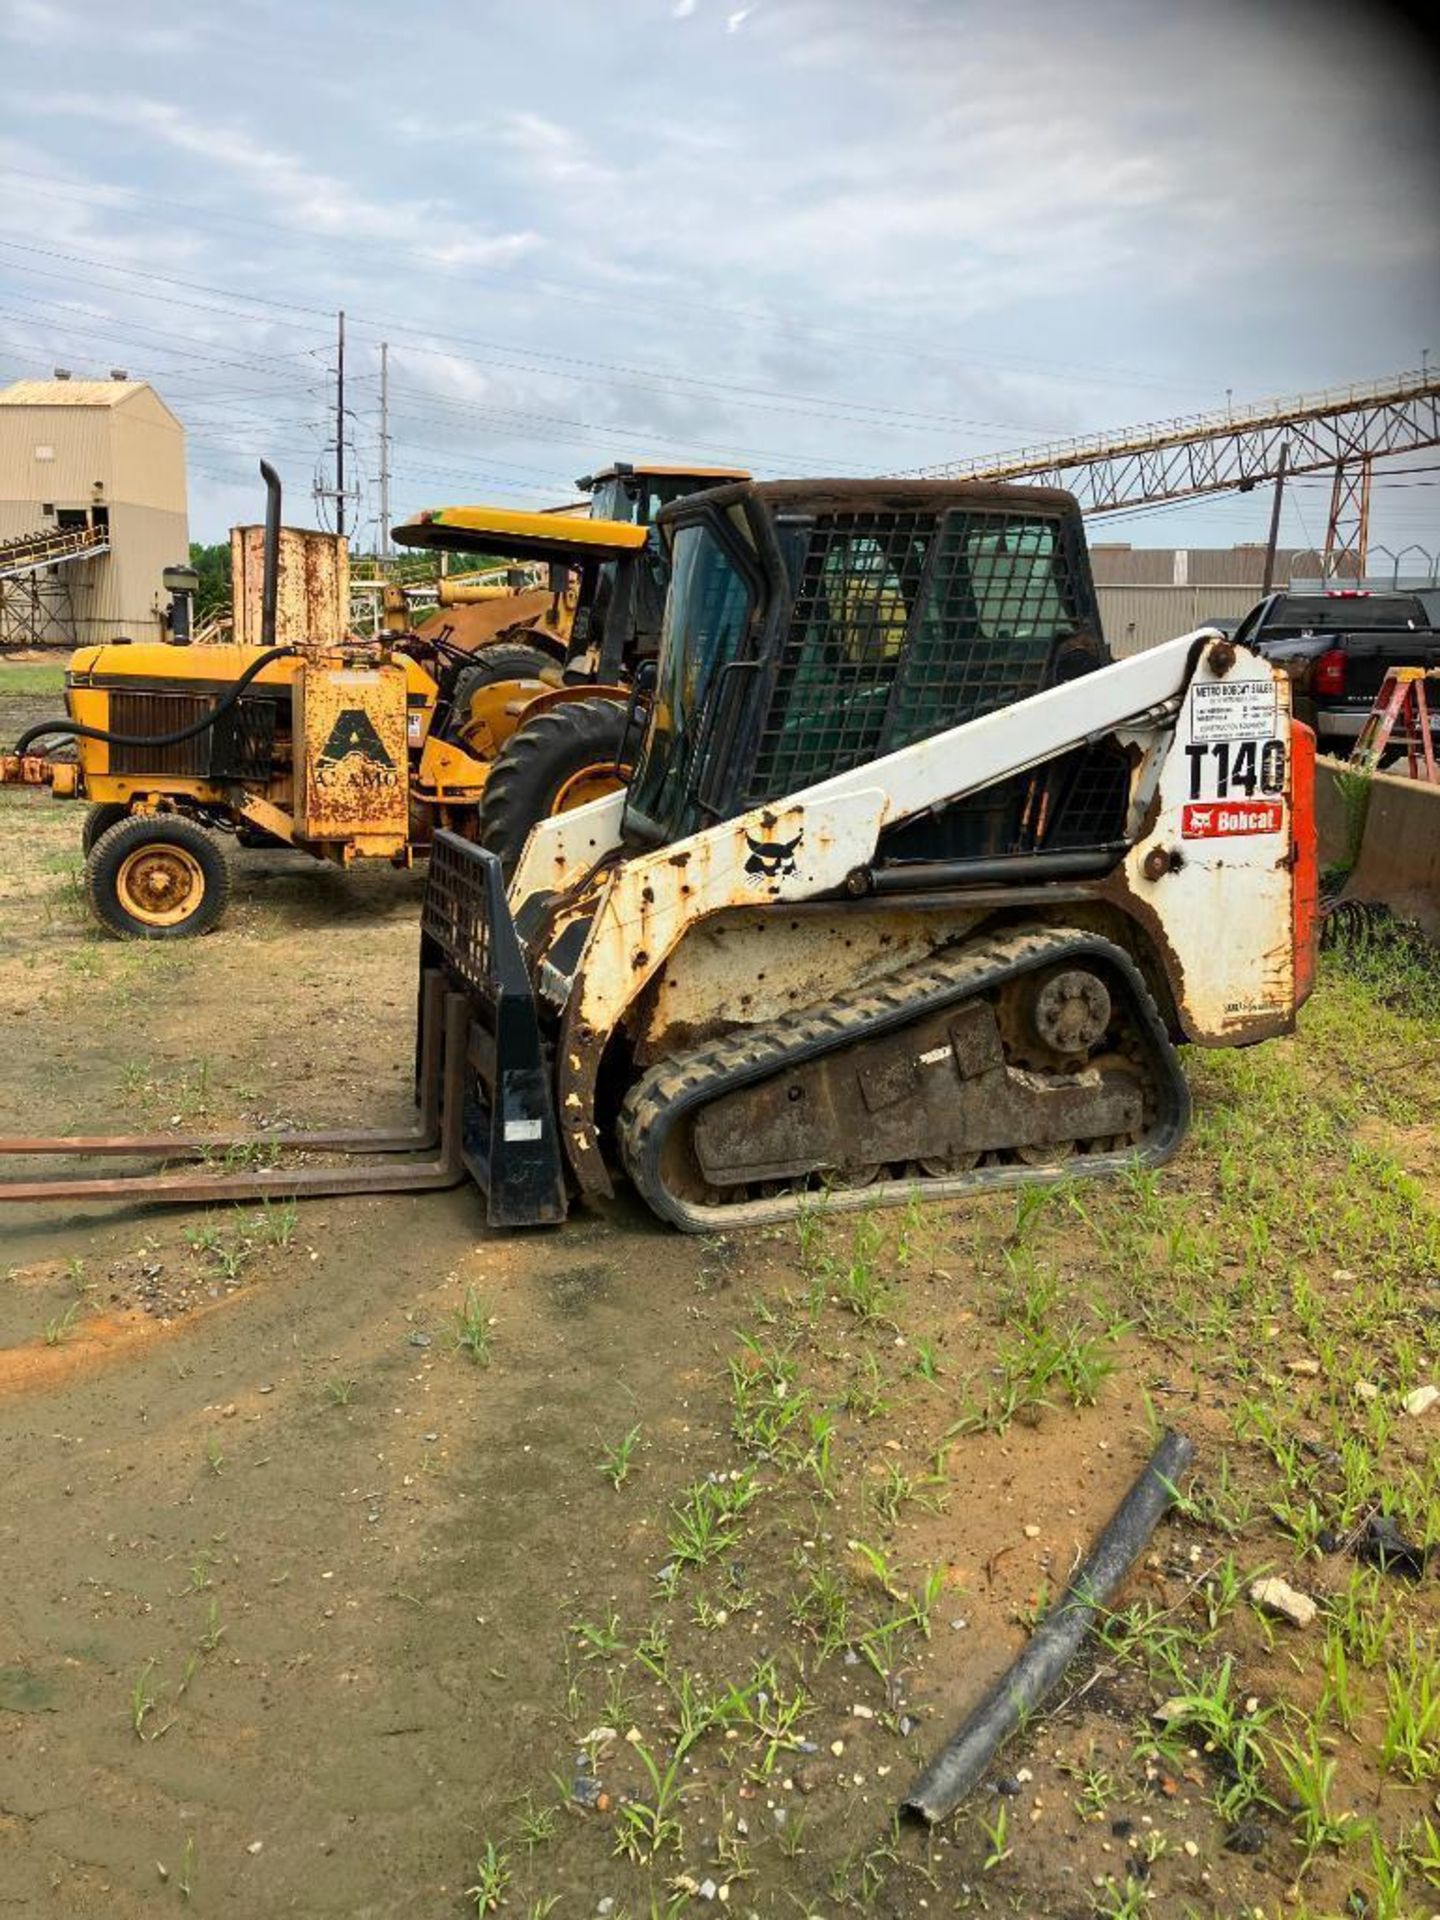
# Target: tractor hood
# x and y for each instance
(559, 537)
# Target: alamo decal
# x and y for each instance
(355, 752)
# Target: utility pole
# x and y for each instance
(1269, 581)
(340, 430)
(384, 450)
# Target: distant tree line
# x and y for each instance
(213, 566)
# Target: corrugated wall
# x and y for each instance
(54, 454)
(1135, 618)
(147, 455)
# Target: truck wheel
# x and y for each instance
(99, 819)
(559, 760)
(157, 877)
(501, 661)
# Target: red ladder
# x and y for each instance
(1400, 703)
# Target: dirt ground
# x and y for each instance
(361, 1561)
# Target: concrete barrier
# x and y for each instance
(1398, 861)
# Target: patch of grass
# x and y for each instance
(470, 1330)
(644, 1828)
(997, 1836)
(32, 678)
(1410, 1740)
(615, 1458)
(340, 1391)
(57, 1330)
(492, 1877)
(274, 1225)
(1310, 1773)
(142, 1701)
(706, 1519)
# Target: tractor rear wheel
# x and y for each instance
(99, 819)
(561, 759)
(157, 877)
(503, 660)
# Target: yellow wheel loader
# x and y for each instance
(348, 749)
(914, 891)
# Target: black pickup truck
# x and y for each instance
(1338, 646)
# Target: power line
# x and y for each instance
(639, 379)
(711, 312)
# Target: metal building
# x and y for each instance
(1150, 594)
(92, 510)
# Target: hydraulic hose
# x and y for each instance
(73, 728)
(1025, 1683)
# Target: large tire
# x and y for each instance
(99, 819)
(157, 877)
(540, 760)
(503, 660)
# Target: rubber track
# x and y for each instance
(675, 1088)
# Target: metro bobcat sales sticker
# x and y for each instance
(1232, 709)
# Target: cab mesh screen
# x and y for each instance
(904, 624)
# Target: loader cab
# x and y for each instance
(814, 627)
(637, 493)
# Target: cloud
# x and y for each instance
(847, 235)
(304, 197)
(34, 23)
(552, 152)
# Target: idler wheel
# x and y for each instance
(1070, 1010)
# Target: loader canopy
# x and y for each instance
(562, 538)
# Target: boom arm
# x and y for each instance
(947, 766)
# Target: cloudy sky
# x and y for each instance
(804, 236)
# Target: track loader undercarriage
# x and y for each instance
(911, 1085)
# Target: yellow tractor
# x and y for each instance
(351, 749)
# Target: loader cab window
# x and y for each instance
(638, 497)
(857, 581)
(998, 602)
(706, 616)
(908, 622)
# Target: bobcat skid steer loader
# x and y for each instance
(913, 890)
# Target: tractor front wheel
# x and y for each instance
(564, 757)
(157, 877)
(99, 819)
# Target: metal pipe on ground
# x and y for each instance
(1031, 1676)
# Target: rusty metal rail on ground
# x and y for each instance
(444, 1033)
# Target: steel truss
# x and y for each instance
(1344, 429)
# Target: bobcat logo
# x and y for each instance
(771, 859)
(353, 738)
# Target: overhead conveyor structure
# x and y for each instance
(36, 603)
(32, 552)
(1341, 430)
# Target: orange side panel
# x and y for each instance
(1305, 866)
